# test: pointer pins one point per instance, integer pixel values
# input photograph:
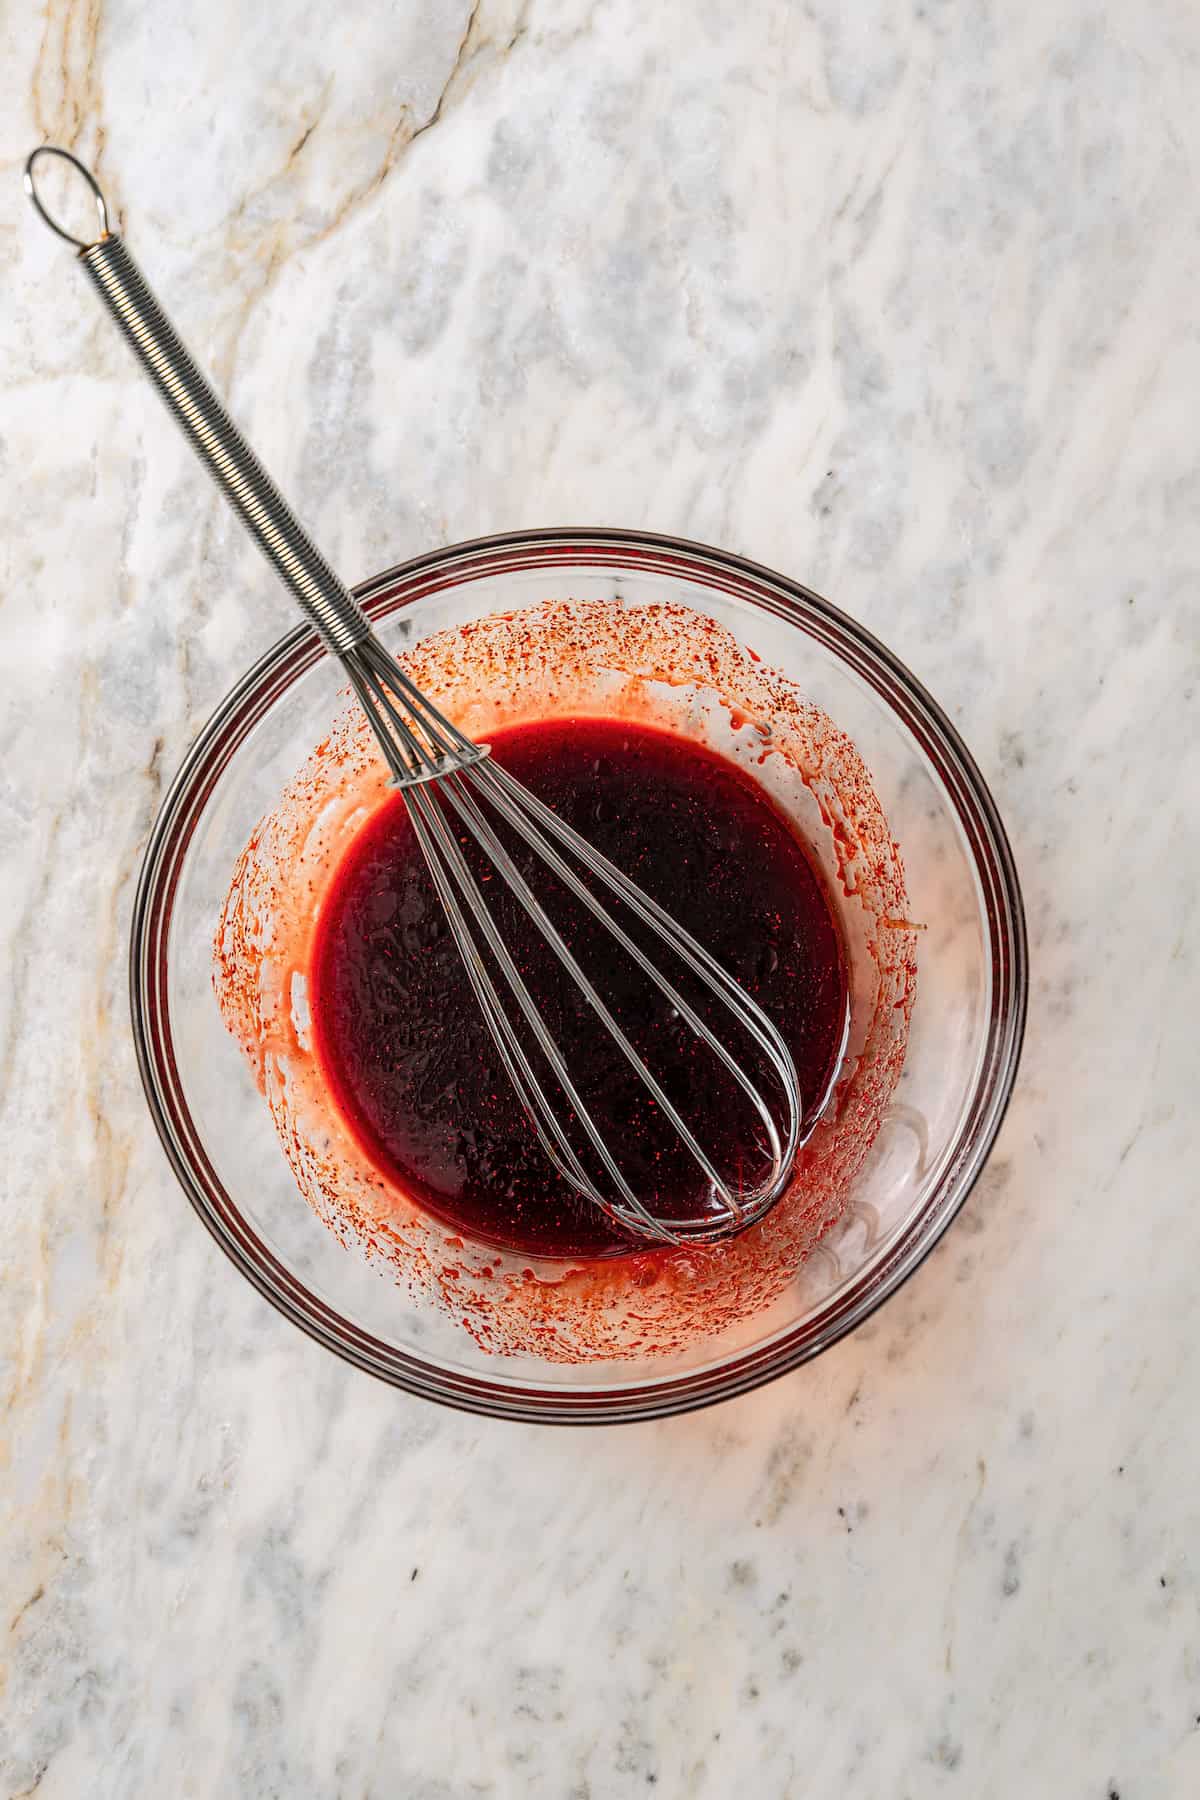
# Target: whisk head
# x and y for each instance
(455, 796)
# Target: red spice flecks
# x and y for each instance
(661, 666)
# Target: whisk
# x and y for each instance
(454, 792)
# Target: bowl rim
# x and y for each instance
(388, 592)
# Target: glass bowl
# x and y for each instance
(964, 1042)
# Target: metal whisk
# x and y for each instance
(447, 780)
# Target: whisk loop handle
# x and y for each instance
(207, 426)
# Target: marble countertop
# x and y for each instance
(901, 299)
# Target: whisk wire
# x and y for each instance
(471, 815)
(439, 745)
(424, 804)
(513, 800)
(667, 929)
(421, 744)
(413, 767)
(422, 747)
(516, 1063)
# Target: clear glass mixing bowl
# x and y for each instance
(963, 1048)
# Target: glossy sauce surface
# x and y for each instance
(409, 1061)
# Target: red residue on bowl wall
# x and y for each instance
(661, 665)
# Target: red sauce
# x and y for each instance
(409, 1061)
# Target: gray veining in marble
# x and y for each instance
(902, 299)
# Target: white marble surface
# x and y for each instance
(901, 299)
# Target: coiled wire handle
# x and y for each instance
(212, 434)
